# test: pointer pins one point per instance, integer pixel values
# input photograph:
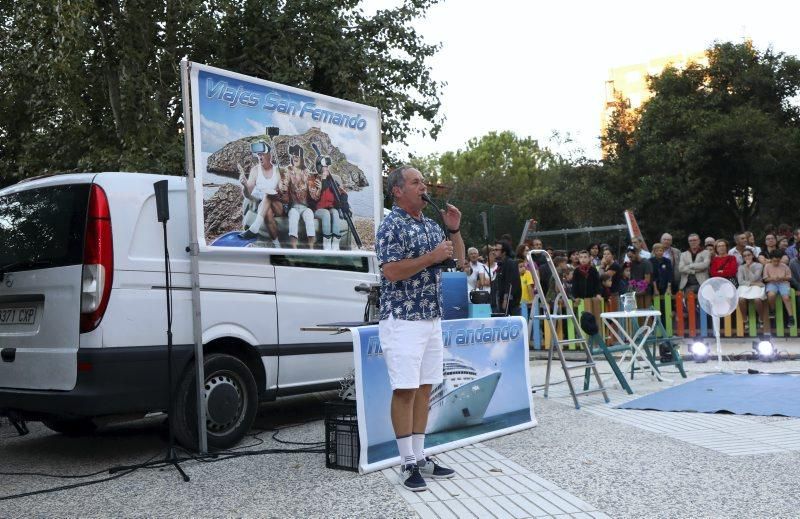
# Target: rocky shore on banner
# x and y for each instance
(223, 213)
(224, 161)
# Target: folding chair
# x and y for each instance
(597, 346)
(654, 343)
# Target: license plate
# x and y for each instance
(18, 315)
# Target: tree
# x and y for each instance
(94, 85)
(716, 148)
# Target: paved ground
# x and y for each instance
(595, 462)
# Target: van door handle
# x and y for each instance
(363, 287)
(8, 354)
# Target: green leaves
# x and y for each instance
(717, 144)
(94, 85)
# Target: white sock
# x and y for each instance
(406, 451)
(257, 223)
(418, 444)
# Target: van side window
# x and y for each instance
(348, 263)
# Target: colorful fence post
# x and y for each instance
(668, 313)
(681, 332)
(751, 314)
(537, 331)
(739, 322)
(691, 310)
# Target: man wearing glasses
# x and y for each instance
(694, 265)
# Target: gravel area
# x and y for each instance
(270, 485)
(622, 470)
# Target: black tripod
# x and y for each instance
(162, 208)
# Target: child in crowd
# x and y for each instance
(526, 280)
(606, 280)
(566, 280)
(662, 271)
(625, 281)
(777, 276)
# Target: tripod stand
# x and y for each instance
(162, 208)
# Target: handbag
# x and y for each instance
(480, 297)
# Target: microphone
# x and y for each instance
(448, 263)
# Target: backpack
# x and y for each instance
(589, 323)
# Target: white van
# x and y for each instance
(83, 311)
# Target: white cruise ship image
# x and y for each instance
(462, 398)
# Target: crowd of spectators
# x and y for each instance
(760, 273)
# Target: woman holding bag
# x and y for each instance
(751, 286)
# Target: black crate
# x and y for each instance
(342, 445)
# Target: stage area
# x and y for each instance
(757, 394)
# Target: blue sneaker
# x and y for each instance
(430, 468)
(412, 479)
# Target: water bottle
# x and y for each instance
(629, 302)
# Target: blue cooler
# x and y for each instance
(455, 295)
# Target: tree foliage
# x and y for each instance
(717, 147)
(92, 85)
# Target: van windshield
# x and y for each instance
(43, 228)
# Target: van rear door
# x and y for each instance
(41, 254)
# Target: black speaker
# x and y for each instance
(162, 200)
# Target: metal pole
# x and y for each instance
(194, 251)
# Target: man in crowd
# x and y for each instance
(410, 248)
(791, 251)
(693, 265)
(638, 242)
(477, 272)
(509, 288)
(740, 239)
(674, 256)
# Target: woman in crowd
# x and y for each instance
(594, 254)
(662, 271)
(609, 265)
(522, 254)
(574, 261)
(723, 265)
(751, 287)
(771, 245)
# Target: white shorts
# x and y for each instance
(413, 351)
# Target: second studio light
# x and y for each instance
(765, 350)
(699, 351)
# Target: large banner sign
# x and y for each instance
(485, 392)
(283, 168)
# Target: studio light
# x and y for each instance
(699, 351)
(765, 350)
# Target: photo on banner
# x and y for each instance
(485, 392)
(283, 168)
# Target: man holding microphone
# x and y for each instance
(410, 248)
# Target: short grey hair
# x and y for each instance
(693, 234)
(396, 178)
(471, 250)
(666, 235)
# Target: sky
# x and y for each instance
(539, 67)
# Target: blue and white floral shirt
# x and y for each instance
(400, 237)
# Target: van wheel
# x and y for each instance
(231, 403)
(71, 426)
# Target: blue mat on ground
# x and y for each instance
(758, 394)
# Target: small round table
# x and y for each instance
(615, 322)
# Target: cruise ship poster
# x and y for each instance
(485, 390)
